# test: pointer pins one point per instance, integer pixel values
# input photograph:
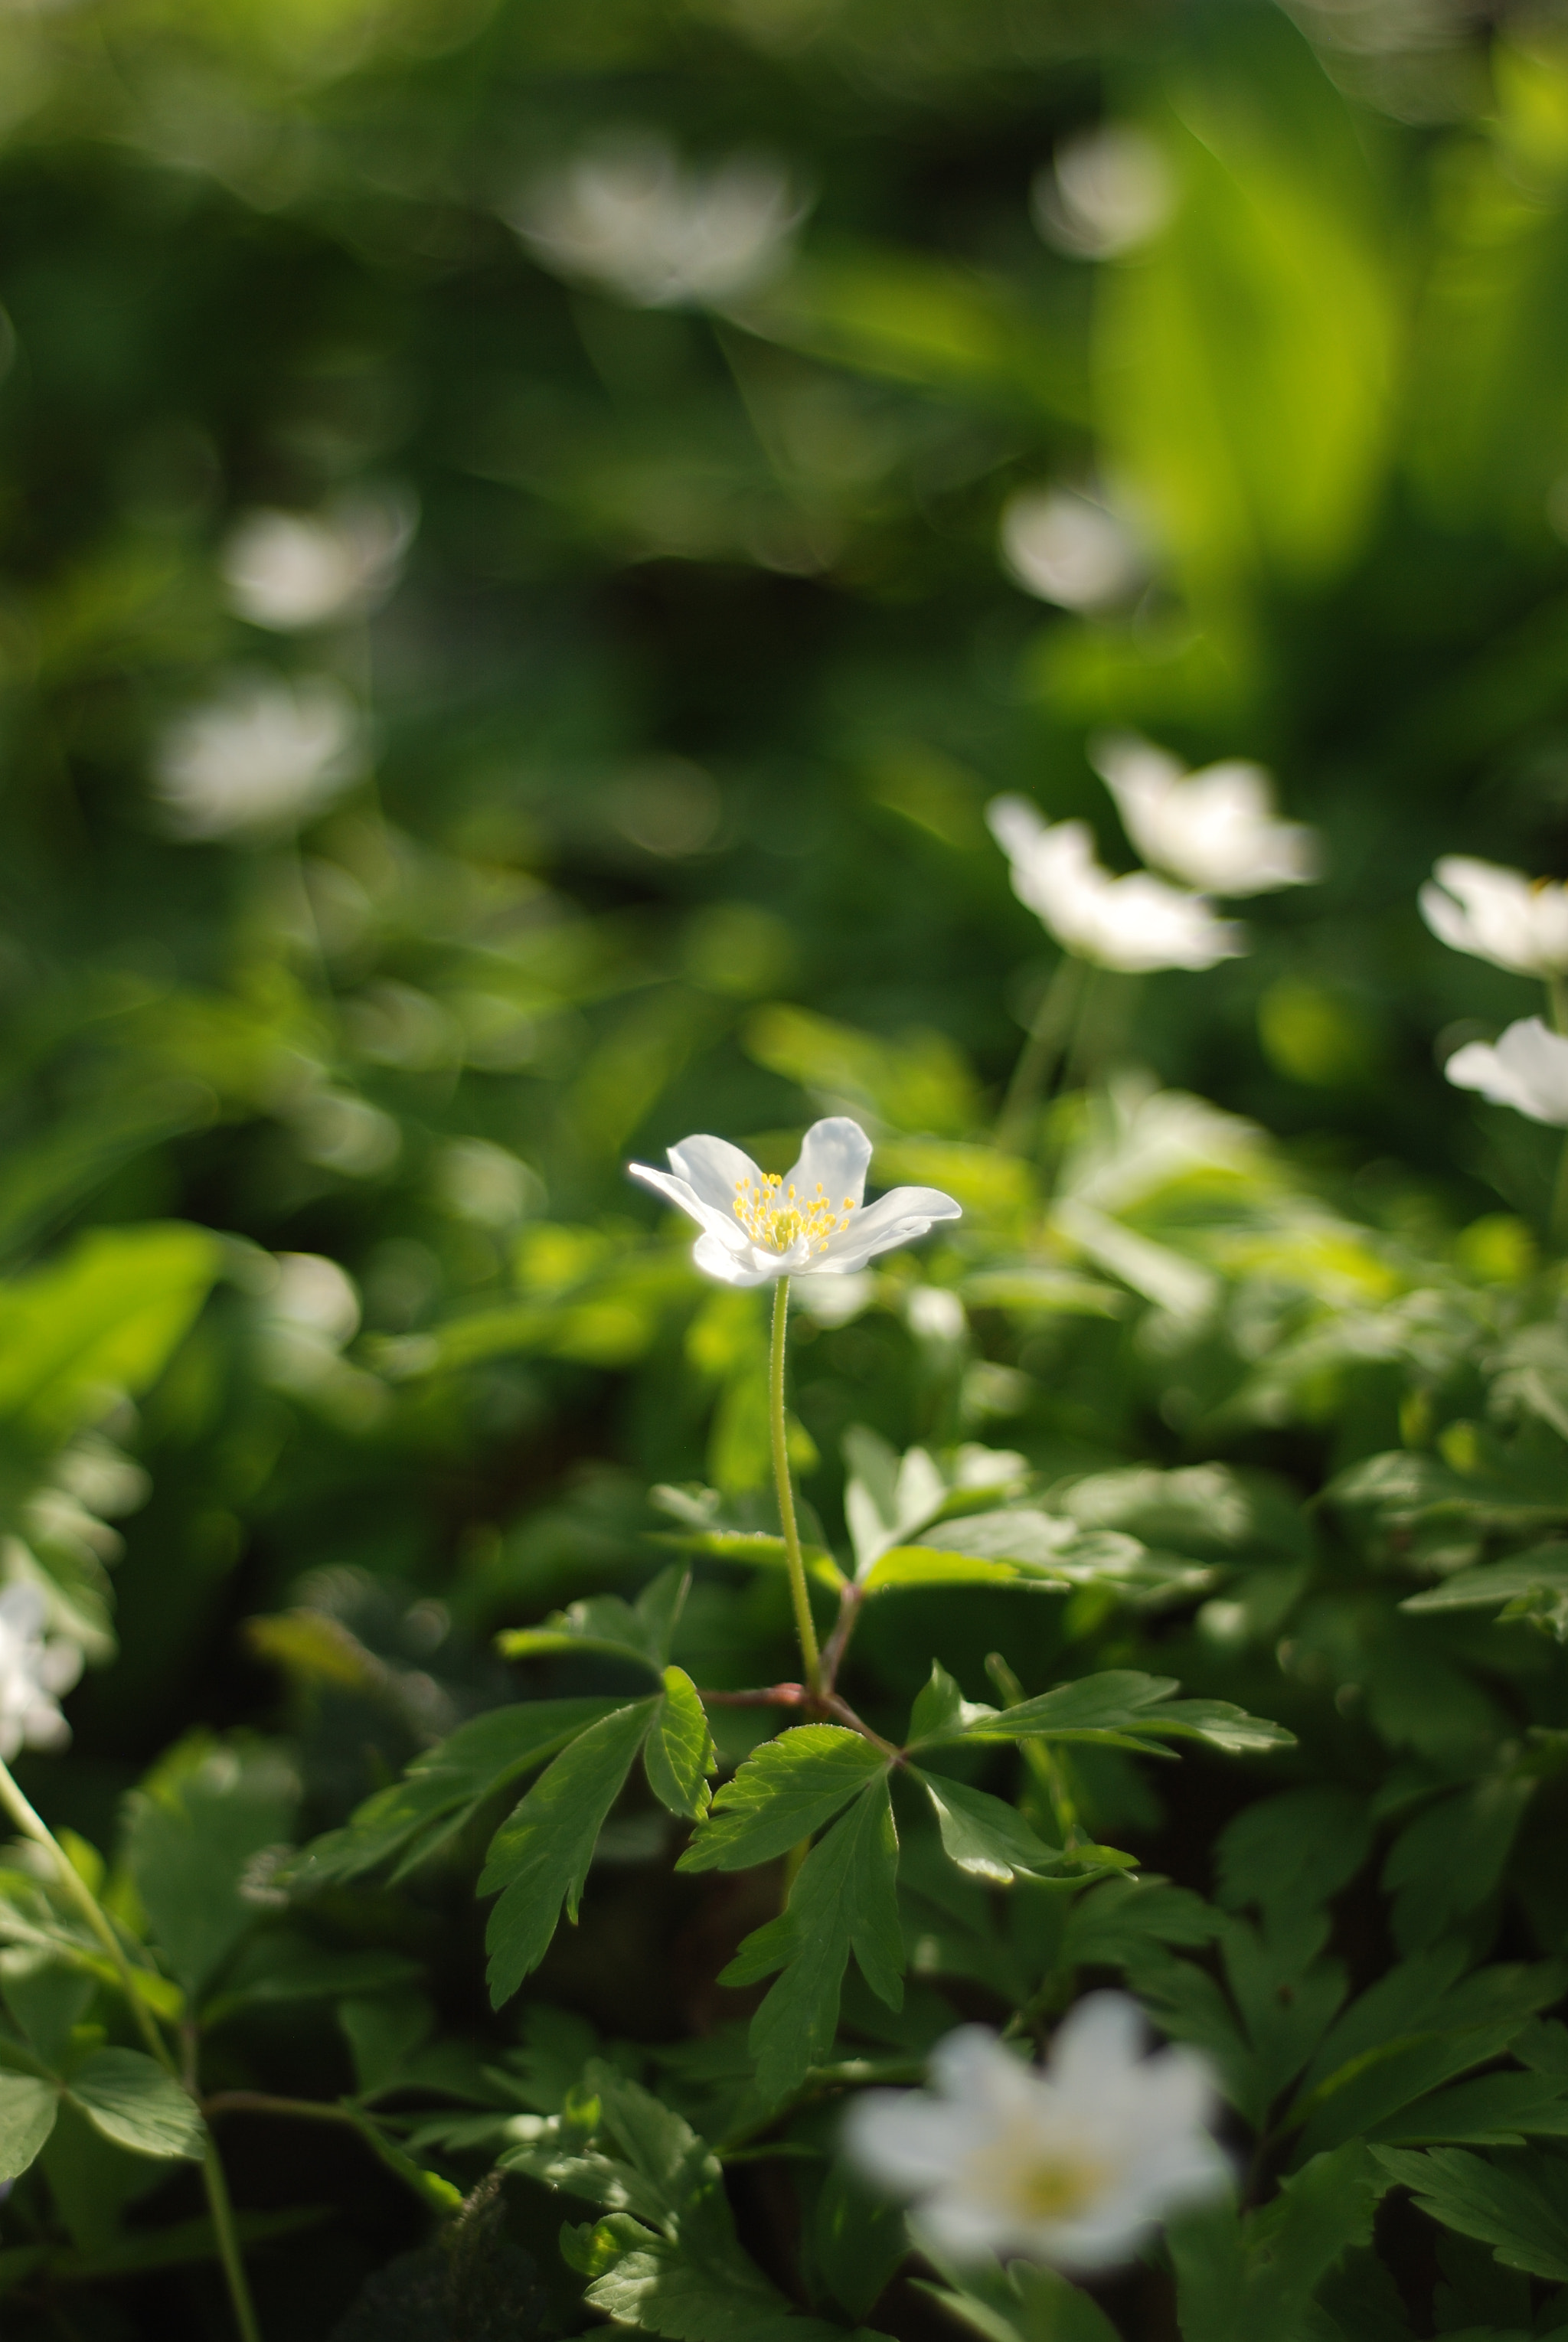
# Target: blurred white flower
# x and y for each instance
(261, 756)
(757, 1225)
(1499, 914)
(347, 1134)
(934, 1315)
(486, 1184)
(1070, 549)
(1073, 2166)
(289, 571)
(1215, 829)
(1136, 923)
(34, 1669)
(1527, 1069)
(629, 215)
(1105, 191)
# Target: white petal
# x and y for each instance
(907, 2140)
(1102, 2034)
(1527, 1070)
(1016, 824)
(748, 1267)
(714, 1169)
(899, 1217)
(974, 2067)
(719, 1226)
(834, 1154)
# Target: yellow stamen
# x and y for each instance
(775, 1217)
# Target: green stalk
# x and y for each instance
(1041, 1053)
(800, 1595)
(33, 1826)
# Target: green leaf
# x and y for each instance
(105, 1316)
(1021, 2302)
(134, 2103)
(1291, 1851)
(1128, 1709)
(678, 1754)
(666, 2259)
(443, 1788)
(604, 1624)
(1532, 1584)
(28, 2107)
(941, 1712)
(1495, 2110)
(539, 1857)
(785, 1790)
(984, 1837)
(844, 1899)
(886, 1496)
(1239, 2281)
(858, 2239)
(192, 1829)
(1519, 2207)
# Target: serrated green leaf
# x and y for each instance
(984, 1837)
(134, 2103)
(28, 2108)
(1238, 2281)
(443, 1788)
(1518, 2205)
(785, 1790)
(602, 1622)
(844, 1899)
(678, 1754)
(539, 1857)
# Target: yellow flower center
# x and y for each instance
(1037, 2184)
(775, 1217)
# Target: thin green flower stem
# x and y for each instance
(1557, 1002)
(33, 1826)
(223, 2212)
(800, 1595)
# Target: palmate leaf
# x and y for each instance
(1494, 2110)
(193, 1828)
(539, 1857)
(784, 1792)
(1517, 2203)
(443, 1788)
(844, 1899)
(665, 2259)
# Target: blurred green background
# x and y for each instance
(529, 535)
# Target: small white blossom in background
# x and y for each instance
(1215, 829)
(1105, 192)
(35, 1669)
(1500, 914)
(1073, 2166)
(1527, 1069)
(1070, 549)
(289, 571)
(757, 1225)
(1136, 923)
(628, 215)
(259, 757)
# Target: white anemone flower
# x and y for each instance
(1107, 191)
(810, 1222)
(1500, 914)
(34, 1669)
(1215, 829)
(261, 756)
(1527, 1069)
(629, 215)
(290, 571)
(1072, 2166)
(1136, 923)
(1070, 549)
